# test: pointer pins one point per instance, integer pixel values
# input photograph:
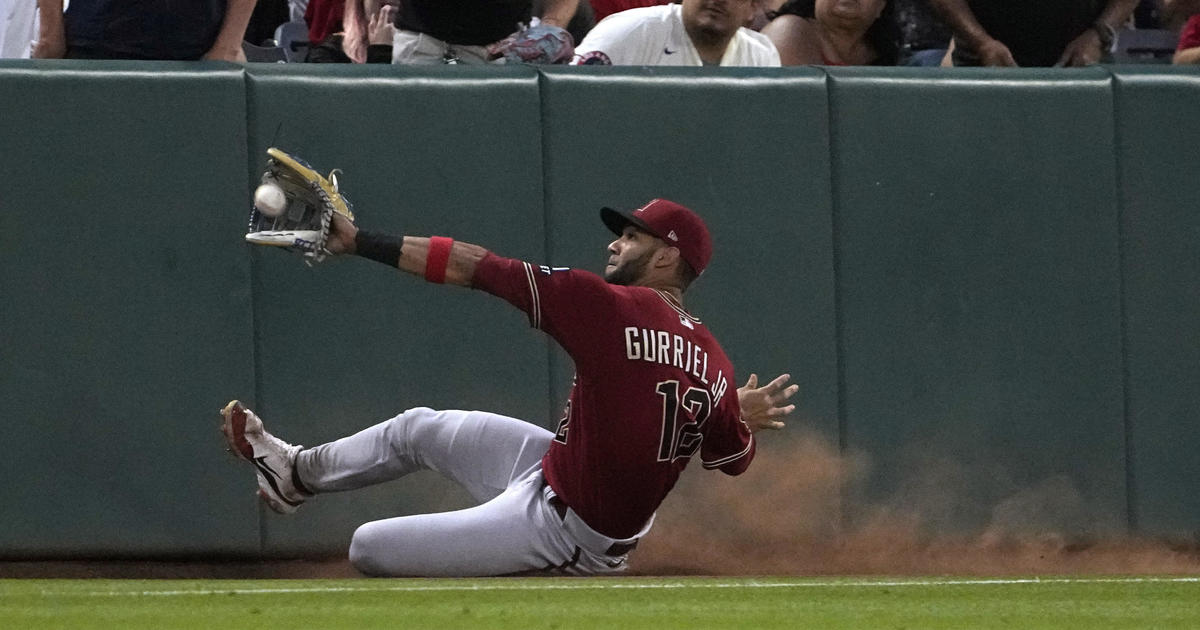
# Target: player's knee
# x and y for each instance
(418, 425)
(367, 548)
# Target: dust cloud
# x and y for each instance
(801, 509)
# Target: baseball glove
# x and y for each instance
(311, 200)
(539, 43)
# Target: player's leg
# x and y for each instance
(484, 452)
(514, 532)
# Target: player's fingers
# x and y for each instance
(775, 412)
(778, 383)
(752, 382)
(789, 392)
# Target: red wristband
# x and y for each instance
(438, 258)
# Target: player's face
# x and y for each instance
(716, 18)
(629, 256)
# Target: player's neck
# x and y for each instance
(670, 289)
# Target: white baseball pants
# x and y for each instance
(498, 460)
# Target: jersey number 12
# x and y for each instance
(681, 436)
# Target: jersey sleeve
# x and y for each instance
(568, 304)
(729, 444)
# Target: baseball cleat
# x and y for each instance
(271, 456)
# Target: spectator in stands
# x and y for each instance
(924, 38)
(580, 24)
(17, 23)
(366, 38)
(1033, 32)
(1184, 14)
(324, 18)
(1188, 52)
(694, 33)
(459, 31)
(112, 29)
(835, 33)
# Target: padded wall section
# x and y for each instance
(454, 151)
(126, 312)
(976, 224)
(1158, 130)
(746, 149)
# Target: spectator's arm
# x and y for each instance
(958, 15)
(228, 46)
(1187, 56)
(1116, 12)
(793, 37)
(558, 12)
(52, 36)
(1087, 48)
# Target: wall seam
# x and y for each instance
(547, 254)
(255, 323)
(838, 310)
(1131, 511)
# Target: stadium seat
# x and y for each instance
(1145, 46)
(263, 54)
(292, 37)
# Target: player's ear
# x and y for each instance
(667, 256)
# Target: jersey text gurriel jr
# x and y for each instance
(652, 389)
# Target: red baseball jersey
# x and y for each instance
(652, 388)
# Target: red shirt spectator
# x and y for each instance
(324, 18)
(1189, 37)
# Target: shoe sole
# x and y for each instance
(233, 427)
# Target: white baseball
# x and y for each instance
(270, 200)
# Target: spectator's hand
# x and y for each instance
(381, 29)
(218, 53)
(993, 52)
(1084, 50)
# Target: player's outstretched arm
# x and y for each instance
(762, 407)
(431, 258)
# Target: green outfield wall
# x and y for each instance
(985, 282)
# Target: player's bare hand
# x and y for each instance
(341, 235)
(763, 407)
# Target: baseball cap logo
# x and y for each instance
(673, 236)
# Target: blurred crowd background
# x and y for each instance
(721, 32)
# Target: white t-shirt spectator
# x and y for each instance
(654, 36)
(18, 25)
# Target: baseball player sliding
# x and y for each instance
(652, 391)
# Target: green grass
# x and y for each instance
(620, 603)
